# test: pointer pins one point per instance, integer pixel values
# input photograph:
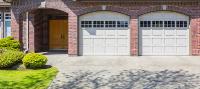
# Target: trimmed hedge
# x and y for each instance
(9, 58)
(34, 60)
(9, 43)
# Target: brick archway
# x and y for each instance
(104, 8)
(177, 9)
(33, 43)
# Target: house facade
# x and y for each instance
(108, 27)
(5, 19)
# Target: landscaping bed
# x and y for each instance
(20, 70)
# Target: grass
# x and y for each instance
(28, 79)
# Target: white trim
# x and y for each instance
(4, 16)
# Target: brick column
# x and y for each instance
(195, 35)
(15, 22)
(134, 36)
(73, 35)
(31, 33)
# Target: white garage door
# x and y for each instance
(163, 33)
(104, 33)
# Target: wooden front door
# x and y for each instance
(58, 34)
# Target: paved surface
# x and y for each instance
(124, 72)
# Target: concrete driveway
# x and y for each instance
(125, 72)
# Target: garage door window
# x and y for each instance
(110, 23)
(98, 24)
(157, 23)
(86, 24)
(181, 24)
(145, 23)
(122, 23)
(162, 23)
(169, 23)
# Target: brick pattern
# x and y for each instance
(195, 35)
(132, 9)
(134, 36)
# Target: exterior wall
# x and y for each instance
(132, 8)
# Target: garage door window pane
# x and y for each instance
(141, 23)
(86, 24)
(147, 23)
(161, 23)
(181, 24)
(157, 23)
(185, 24)
(169, 23)
(122, 23)
(110, 24)
(98, 24)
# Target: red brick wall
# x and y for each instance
(133, 9)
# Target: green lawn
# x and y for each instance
(28, 79)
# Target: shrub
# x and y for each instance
(9, 43)
(9, 58)
(34, 60)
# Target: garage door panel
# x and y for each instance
(87, 42)
(182, 42)
(170, 33)
(110, 50)
(86, 50)
(99, 47)
(146, 32)
(170, 50)
(158, 50)
(122, 32)
(157, 32)
(110, 42)
(88, 32)
(158, 42)
(122, 50)
(182, 32)
(182, 50)
(146, 42)
(99, 42)
(122, 42)
(110, 32)
(100, 32)
(147, 50)
(170, 42)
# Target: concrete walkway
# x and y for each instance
(125, 72)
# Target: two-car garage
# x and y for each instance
(108, 33)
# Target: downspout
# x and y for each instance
(27, 32)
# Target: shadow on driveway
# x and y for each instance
(128, 79)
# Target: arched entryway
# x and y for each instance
(48, 30)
